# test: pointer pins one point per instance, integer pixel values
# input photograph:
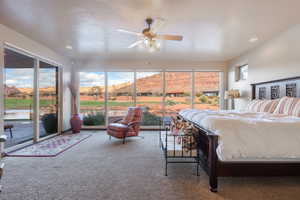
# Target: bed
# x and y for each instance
(277, 142)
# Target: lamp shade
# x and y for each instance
(232, 94)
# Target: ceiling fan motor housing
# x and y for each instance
(147, 31)
(149, 21)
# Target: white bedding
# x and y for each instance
(250, 136)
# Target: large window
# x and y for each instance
(120, 93)
(207, 90)
(149, 95)
(178, 92)
(92, 98)
(243, 72)
(160, 94)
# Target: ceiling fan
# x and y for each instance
(149, 36)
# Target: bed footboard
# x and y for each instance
(179, 149)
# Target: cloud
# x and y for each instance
(19, 77)
(10, 82)
(23, 78)
(145, 74)
(89, 79)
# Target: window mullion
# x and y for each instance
(193, 89)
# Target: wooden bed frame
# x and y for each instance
(209, 142)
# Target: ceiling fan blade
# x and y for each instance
(169, 37)
(157, 25)
(129, 32)
(135, 44)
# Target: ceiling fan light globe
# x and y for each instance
(151, 49)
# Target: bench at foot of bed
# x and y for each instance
(175, 151)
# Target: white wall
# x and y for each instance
(275, 59)
(16, 39)
(152, 65)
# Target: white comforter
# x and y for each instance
(250, 136)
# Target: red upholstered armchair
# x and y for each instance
(129, 126)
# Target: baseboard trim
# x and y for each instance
(67, 130)
(104, 129)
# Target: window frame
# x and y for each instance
(163, 72)
(239, 71)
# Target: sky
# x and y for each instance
(23, 78)
(90, 79)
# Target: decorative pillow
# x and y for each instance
(263, 105)
(190, 138)
(288, 106)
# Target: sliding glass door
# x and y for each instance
(92, 98)
(18, 94)
(48, 91)
(29, 82)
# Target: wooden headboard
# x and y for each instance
(277, 88)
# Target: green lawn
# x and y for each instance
(24, 103)
(114, 103)
(27, 103)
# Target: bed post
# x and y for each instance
(253, 95)
(212, 163)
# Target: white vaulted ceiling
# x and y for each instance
(213, 30)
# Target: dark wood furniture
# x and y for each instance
(9, 126)
(209, 142)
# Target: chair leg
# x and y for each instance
(198, 165)
(124, 140)
(1, 172)
(10, 131)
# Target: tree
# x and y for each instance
(96, 92)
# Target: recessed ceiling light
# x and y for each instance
(254, 39)
(69, 47)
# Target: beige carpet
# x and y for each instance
(102, 169)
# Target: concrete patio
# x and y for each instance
(21, 132)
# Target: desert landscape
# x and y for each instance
(149, 94)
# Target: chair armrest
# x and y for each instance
(1, 170)
(117, 120)
(133, 123)
(3, 138)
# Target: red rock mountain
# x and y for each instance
(176, 82)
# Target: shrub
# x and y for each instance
(94, 119)
(50, 123)
(203, 99)
(170, 103)
(199, 94)
(150, 119)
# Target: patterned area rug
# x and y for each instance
(50, 147)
